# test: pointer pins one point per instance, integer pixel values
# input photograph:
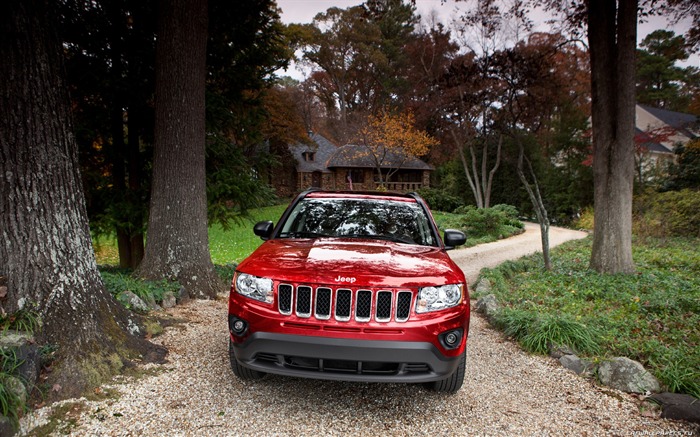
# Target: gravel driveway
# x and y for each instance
(506, 391)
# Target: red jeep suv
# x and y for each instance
(351, 286)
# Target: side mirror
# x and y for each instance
(454, 238)
(263, 229)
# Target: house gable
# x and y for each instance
(350, 167)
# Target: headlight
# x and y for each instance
(438, 298)
(255, 287)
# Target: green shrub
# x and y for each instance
(536, 332)
(585, 219)
(482, 225)
(482, 222)
(669, 214)
(439, 200)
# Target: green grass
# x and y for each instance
(239, 241)
(652, 316)
(226, 247)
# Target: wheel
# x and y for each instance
(239, 370)
(452, 383)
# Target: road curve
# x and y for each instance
(472, 259)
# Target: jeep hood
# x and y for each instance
(352, 262)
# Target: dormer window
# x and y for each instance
(309, 156)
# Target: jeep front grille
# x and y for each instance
(344, 304)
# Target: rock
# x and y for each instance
(15, 386)
(26, 352)
(627, 375)
(557, 351)
(133, 301)
(483, 286)
(151, 302)
(488, 305)
(576, 364)
(182, 295)
(678, 406)
(169, 300)
(6, 428)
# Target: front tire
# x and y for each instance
(241, 371)
(452, 383)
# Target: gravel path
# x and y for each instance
(506, 391)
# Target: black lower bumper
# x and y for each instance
(344, 359)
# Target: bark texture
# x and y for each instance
(177, 246)
(612, 33)
(46, 252)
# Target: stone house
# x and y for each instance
(657, 132)
(322, 164)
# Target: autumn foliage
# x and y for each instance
(394, 139)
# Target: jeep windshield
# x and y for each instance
(384, 219)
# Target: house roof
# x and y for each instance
(685, 123)
(322, 149)
(356, 156)
(652, 146)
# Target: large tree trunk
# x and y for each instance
(177, 246)
(45, 247)
(612, 32)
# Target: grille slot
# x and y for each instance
(344, 304)
(403, 305)
(304, 301)
(383, 311)
(363, 306)
(284, 298)
(323, 303)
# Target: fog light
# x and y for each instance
(237, 326)
(451, 339)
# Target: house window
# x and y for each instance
(309, 156)
(357, 176)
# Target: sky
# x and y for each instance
(303, 11)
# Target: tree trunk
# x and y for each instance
(533, 191)
(178, 244)
(46, 252)
(465, 166)
(489, 183)
(612, 31)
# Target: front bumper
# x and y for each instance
(343, 359)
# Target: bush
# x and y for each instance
(585, 219)
(117, 280)
(439, 200)
(482, 225)
(483, 222)
(669, 214)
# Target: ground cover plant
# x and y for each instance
(652, 316)
(11, 402)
